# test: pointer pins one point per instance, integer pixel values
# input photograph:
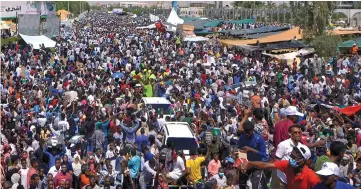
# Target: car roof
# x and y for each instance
(155, 100)
(178, 130)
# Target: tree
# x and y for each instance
(249, 4)
(271, 5)
(283, 6)
(326, 44)
(75, 7)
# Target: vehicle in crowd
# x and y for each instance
(180, 135)
(159, 104)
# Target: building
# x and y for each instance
(193, 12)
(223, 4)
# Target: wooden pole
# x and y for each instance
(16, 26)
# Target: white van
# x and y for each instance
(181, 136)
(159, 104)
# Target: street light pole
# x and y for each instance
(67, 16)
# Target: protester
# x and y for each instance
(74, 116)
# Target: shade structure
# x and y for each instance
(174, 19)
(349, 43)
(36, 41)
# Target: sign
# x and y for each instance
(10, 8)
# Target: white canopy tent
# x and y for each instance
(36, 41)
(173, 20)
(196, 39)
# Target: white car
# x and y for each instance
(181, 136)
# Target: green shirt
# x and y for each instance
(320, 161)
(148, 90)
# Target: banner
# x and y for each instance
(154, 18)
(29, 24)
(51, 26)
(10, 8)
(350, 110)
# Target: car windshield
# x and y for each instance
(165, 108)
(183, 143)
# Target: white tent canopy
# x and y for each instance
(36, 41)
(174, 19)
(195, 39)
(153, 18)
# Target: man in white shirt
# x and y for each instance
(178, 167)
(56, 168)
(284, 149)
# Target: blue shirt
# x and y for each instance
(339, 185)
(134, 166)
(140, 140)
(105, 128)
(256, 142)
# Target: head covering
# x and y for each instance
(329, 169)
(15, 178)
(292, 110)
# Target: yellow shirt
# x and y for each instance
(194, 166)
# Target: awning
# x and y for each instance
(349, 43)
(244, 21)
(213, 23)
(265, 29)
(285, 45)
(36, 41)
(288, 35)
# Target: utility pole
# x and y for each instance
(67, 16)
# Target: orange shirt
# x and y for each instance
(84, 180)
(307, 179)
(256, 101)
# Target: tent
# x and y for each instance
(244, 21)
(196, 39)
(63, 14)
(198, 24)
(173, 18)
(289, 57)
(36, 41)
(349, 43)
(265, 29)
(213, 23)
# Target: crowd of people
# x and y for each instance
(278, 127)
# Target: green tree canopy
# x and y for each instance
(75, 7)
(249, 4)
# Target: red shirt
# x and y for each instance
(281, 131)
(60, 176)
(307, 179)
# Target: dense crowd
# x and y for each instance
(73, 117)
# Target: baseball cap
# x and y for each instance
(328, 169)
(292, 110)
(305, 151)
